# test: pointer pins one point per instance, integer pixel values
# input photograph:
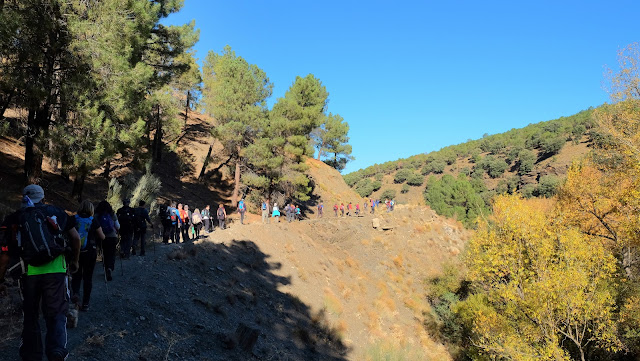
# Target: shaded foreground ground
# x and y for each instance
(189, 308)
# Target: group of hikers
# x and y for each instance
(349, 208)
(52, 245)
(49, 247)
(291, 211)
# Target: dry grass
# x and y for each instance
(365, 242)
(398, 261)
(332, 302)
(352, 263)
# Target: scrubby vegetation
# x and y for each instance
(510, 158)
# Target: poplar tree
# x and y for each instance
(235, 94)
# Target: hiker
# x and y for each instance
(44, 284)
(349, 209)
(222, 215)
(127, 220)
(175, 222)
(185, 214)
(289, 212)
(335, 209)
(206, 218)
(320, 209)
(373, 206)
(179, 213)
(90, 232)
(357, 209)
(164, 214)
(140, 233)
(265, 211)
(341, 209)
(387, 204)
(276, 212)
(196, 218)
(365, 204)
(110, 225)
(298, 215)
(241, 210)
(392, 204)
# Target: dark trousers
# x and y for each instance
(84, 275)
(207, 224)
(185, 232)
(126, 242)
(139, 236)
(176, 233)
(221, 223)
(242, 217)
(109, 252)
(196, 228)
(52, 290)
(167, 232)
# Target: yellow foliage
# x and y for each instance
(539, 282)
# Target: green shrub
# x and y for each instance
(405, 188)
(415, 180)
(526, 160)
(547, 186)
(527, 190)
(388, 194)
(457, 197)
(402, 175)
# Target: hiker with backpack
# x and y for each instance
(176, 221)
(298, 214)
(36, 234)
(358, 209)
(90, 232)
(320, 209)
(196, 219)
(164, 214)
(185, 215)
(265, 211)
(222, 215)
(140, 232)
(241, 210)
(335, 209)
(127, 220)
(206, 218)
(110, 226)
(341, 209)
(276, 212)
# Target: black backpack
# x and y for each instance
(127, 219)
(40, 238)
(165, 214)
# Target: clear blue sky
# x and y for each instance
(411, 77)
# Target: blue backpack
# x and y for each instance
(241, 205)
(106, 222)
(83, 225)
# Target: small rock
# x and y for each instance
(375, 223)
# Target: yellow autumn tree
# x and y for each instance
(542, 290)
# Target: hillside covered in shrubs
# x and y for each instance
(460, 180)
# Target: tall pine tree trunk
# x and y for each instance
(33, 152)
(186, 110)
(206, 162)
(78, 182)
(236, 185)
(107, 169)
(157, 139)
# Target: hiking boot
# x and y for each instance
(109, 278)
(56, 356)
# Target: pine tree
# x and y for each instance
(235, 93)
(331, 141)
